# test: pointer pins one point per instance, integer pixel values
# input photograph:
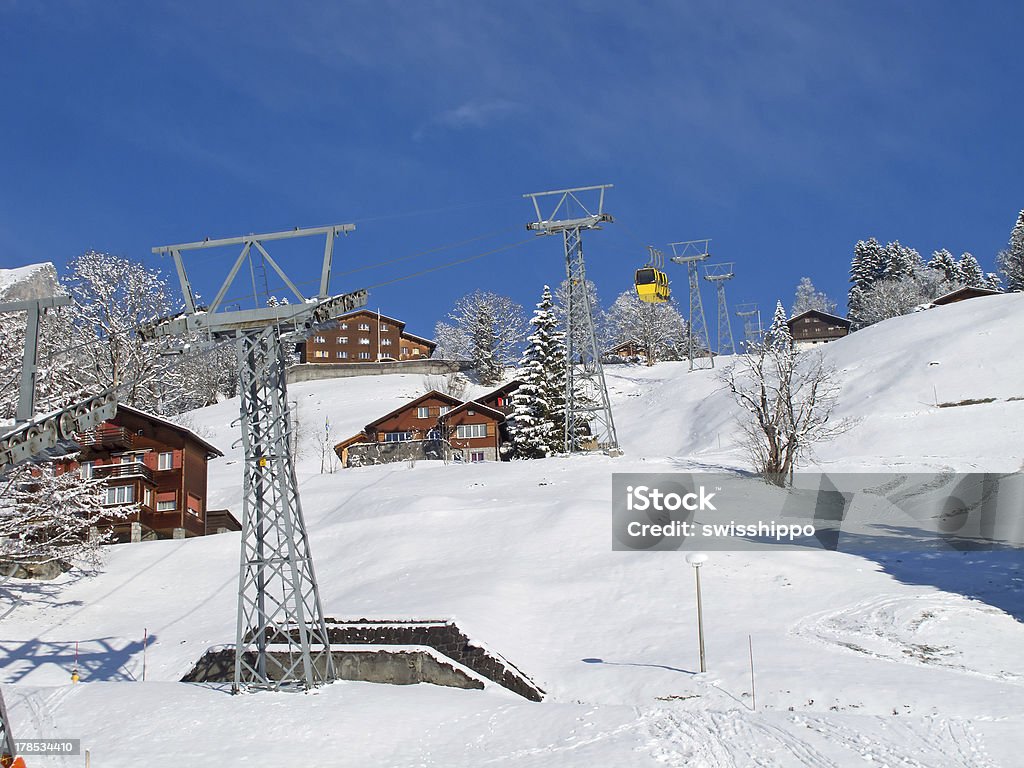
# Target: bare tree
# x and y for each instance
(46, 516)
(488, 329)
(788, 397)
(658, 328)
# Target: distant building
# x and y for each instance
(962, 294)
(814, 327)
(434, 426)
(363, 337)
(157, 464)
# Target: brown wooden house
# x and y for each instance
(962, 294)
(363, 336)
(814, 327)
(434, 426)
(157, 464)
(473, 430)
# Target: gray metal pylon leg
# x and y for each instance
(280, 616)
(586, 393)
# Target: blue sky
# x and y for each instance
(783, 131)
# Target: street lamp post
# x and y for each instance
(696, 559)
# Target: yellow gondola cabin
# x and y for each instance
(652, 285)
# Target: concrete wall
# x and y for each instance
(397, 667)
(319, 371)
(367, 454)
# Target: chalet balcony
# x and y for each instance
(123, 471)
(106, 437)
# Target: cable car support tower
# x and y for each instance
(281, 639)
(692, 253)
(752, 330)
(718, 275)
(586, 393)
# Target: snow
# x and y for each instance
(29, 281)
(909, 660)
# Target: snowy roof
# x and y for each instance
(476, 406)
(823, 315)
(170, 424)
(412, 403)
(967, 292)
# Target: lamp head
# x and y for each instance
(696, 559)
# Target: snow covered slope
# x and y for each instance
(33, 281)
(901, 660)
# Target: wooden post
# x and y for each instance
(753, 697)
(145, 639)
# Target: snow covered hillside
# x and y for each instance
(899, 660)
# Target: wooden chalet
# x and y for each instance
(160, 466)
(814, 327)
(363, 336)
(962, 294)
(434, 426)
(473, 430)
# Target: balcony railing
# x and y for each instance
(123, 470)
(114, 437)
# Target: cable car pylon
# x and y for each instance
(718, 275)
(691, 253)
(587, 405)
(281, 639)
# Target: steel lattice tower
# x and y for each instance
(752, 330)
(719, 275)
(281, 639)
(587, 404)
(692, 253)
(6, 737)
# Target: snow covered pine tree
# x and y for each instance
(537, 421)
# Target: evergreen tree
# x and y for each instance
(971, 273)
(537, 422)
(1011, 260)
(486, 364)
(808, 297)
(778, 336)
(942, 261)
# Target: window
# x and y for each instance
(166, 506)
(320, 339)
(85, 470)
(342, 355)
(423, 412)
(416, 352)
(397, 437)
(405, 350)
(364, 327)
(147, 497)
(364, 340)
(445, 409)
(471, 430)
(476, 456)
(344, 326)
(321, 353)
(364, 355)
(384, 327)
(342, 339)
(195, 505)
(120, 494)
(165, 460)
(385, 342)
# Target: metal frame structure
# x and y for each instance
(718, 275)
(752, 332)
(6, 737)
(51, 434)
(586, 393)
(691, 253)
(280, 615)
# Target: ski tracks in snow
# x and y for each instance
(738, 739)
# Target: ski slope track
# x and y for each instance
(907, 660)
